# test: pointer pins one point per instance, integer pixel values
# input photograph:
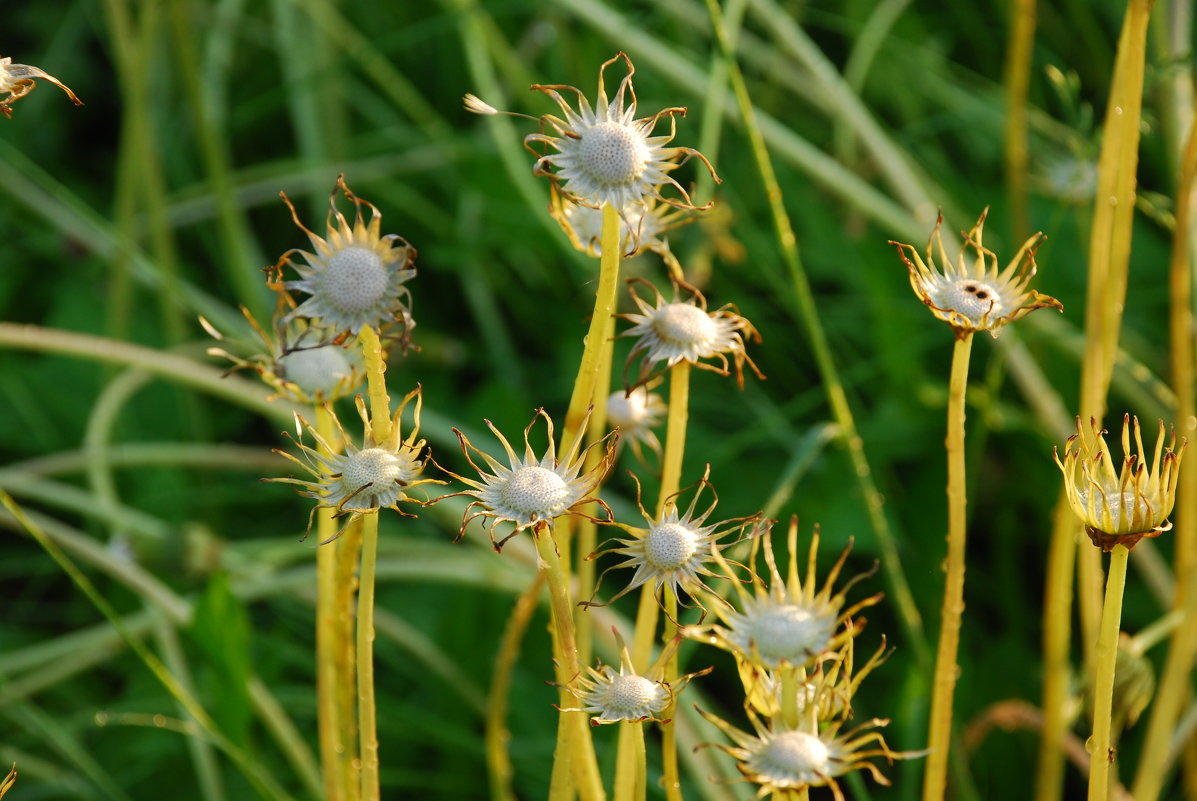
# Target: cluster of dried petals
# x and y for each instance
(1120, 506)
(18, 80)
(363, 480)
(977, 296)
(642, 226)
(683, 330)
(531, 491)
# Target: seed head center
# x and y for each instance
(975, 300)
(798, 754)
(613, 154)
(631, 692)
(683, 324)
(376, 468)
(315, 370)
(669, 546)
(354, 281)
(789, 632)
(535, 490)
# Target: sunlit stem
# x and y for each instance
(380, 431)
(498, 761)
(1018, 81)
(1100, 752)
(574, 762)
(939, 735)
(337, 720)
(631, 780)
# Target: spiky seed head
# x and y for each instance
(18, 80)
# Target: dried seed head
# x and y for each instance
(18, 80)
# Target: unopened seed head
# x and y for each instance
(786, 633)
(316, 371)
(798, 755)
(684, 324)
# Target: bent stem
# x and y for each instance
(1101, 754)
(939, 736)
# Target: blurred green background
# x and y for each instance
(157, 202)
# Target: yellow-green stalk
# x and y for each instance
(1174, 683)
(1101, 754)
(939, 736)
(1018, 80)
(1109, 256)
(380, 431)
(631, 772)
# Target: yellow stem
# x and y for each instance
(498, 762)
(380, 431)
(574, 762)
(1101, 754)
(337, 735)
(675, 432)
(630, 765)
(670, 776)
(1174, 684)
(1018, 81)
(939, 736)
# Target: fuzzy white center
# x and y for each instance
(535, 490)
(628, 411)
(975, 300)
(683, 324)
(669, 546)
(613, 154)
(374, 468)
(632, 696)
(354, 281)
(316, 370)
(1127, 514)
(797, 754)
(788, 632)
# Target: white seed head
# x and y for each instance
(316, 371)
(354, 281)
(794, 758)
(785, 633)
(535, 490)
(670, 546)
(625, 696)
(371, 477)
(684, 325)
(613, 154)
(631, 411)
(977, 301)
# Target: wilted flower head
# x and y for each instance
(604, 154)
(786, 622)
(977, 297)
(356, 276)
(636, 414)
(642, 226)
(1120, 507)
(683, 330)
(18, 80)
(674, 549)
(299, 363)
(625, 695)
(531, 491)
(807, 748)
(363, 480)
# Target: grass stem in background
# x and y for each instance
(1175, 682)
(939, 736)
(908, 613)
(1101, 752)
(1019, 57)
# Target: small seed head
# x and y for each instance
(535, 490)
(613, 154)
(670, 546)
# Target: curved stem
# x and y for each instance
(1100, 752)
(939, 736)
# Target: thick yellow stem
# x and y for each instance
(1101, 752)
(939, 736)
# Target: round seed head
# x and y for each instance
(354, 281)
(536, 492)
(792, 758)
(318, 372)
(613, 154)
(670, 546)
(685, 326)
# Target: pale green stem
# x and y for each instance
(939, 736)
(574, 763)
(336, 731)
(1101, 754)
(380, 431)
(1018, 80)
(366, 709)
(498, 761)
(1175, 681)
(809, 315)
(207, 769)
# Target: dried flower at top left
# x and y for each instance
(18, 80)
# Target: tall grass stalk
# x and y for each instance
(808, 313)
(1174, 684)
(1109, 256)
(939, 736)
(1019, 57)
